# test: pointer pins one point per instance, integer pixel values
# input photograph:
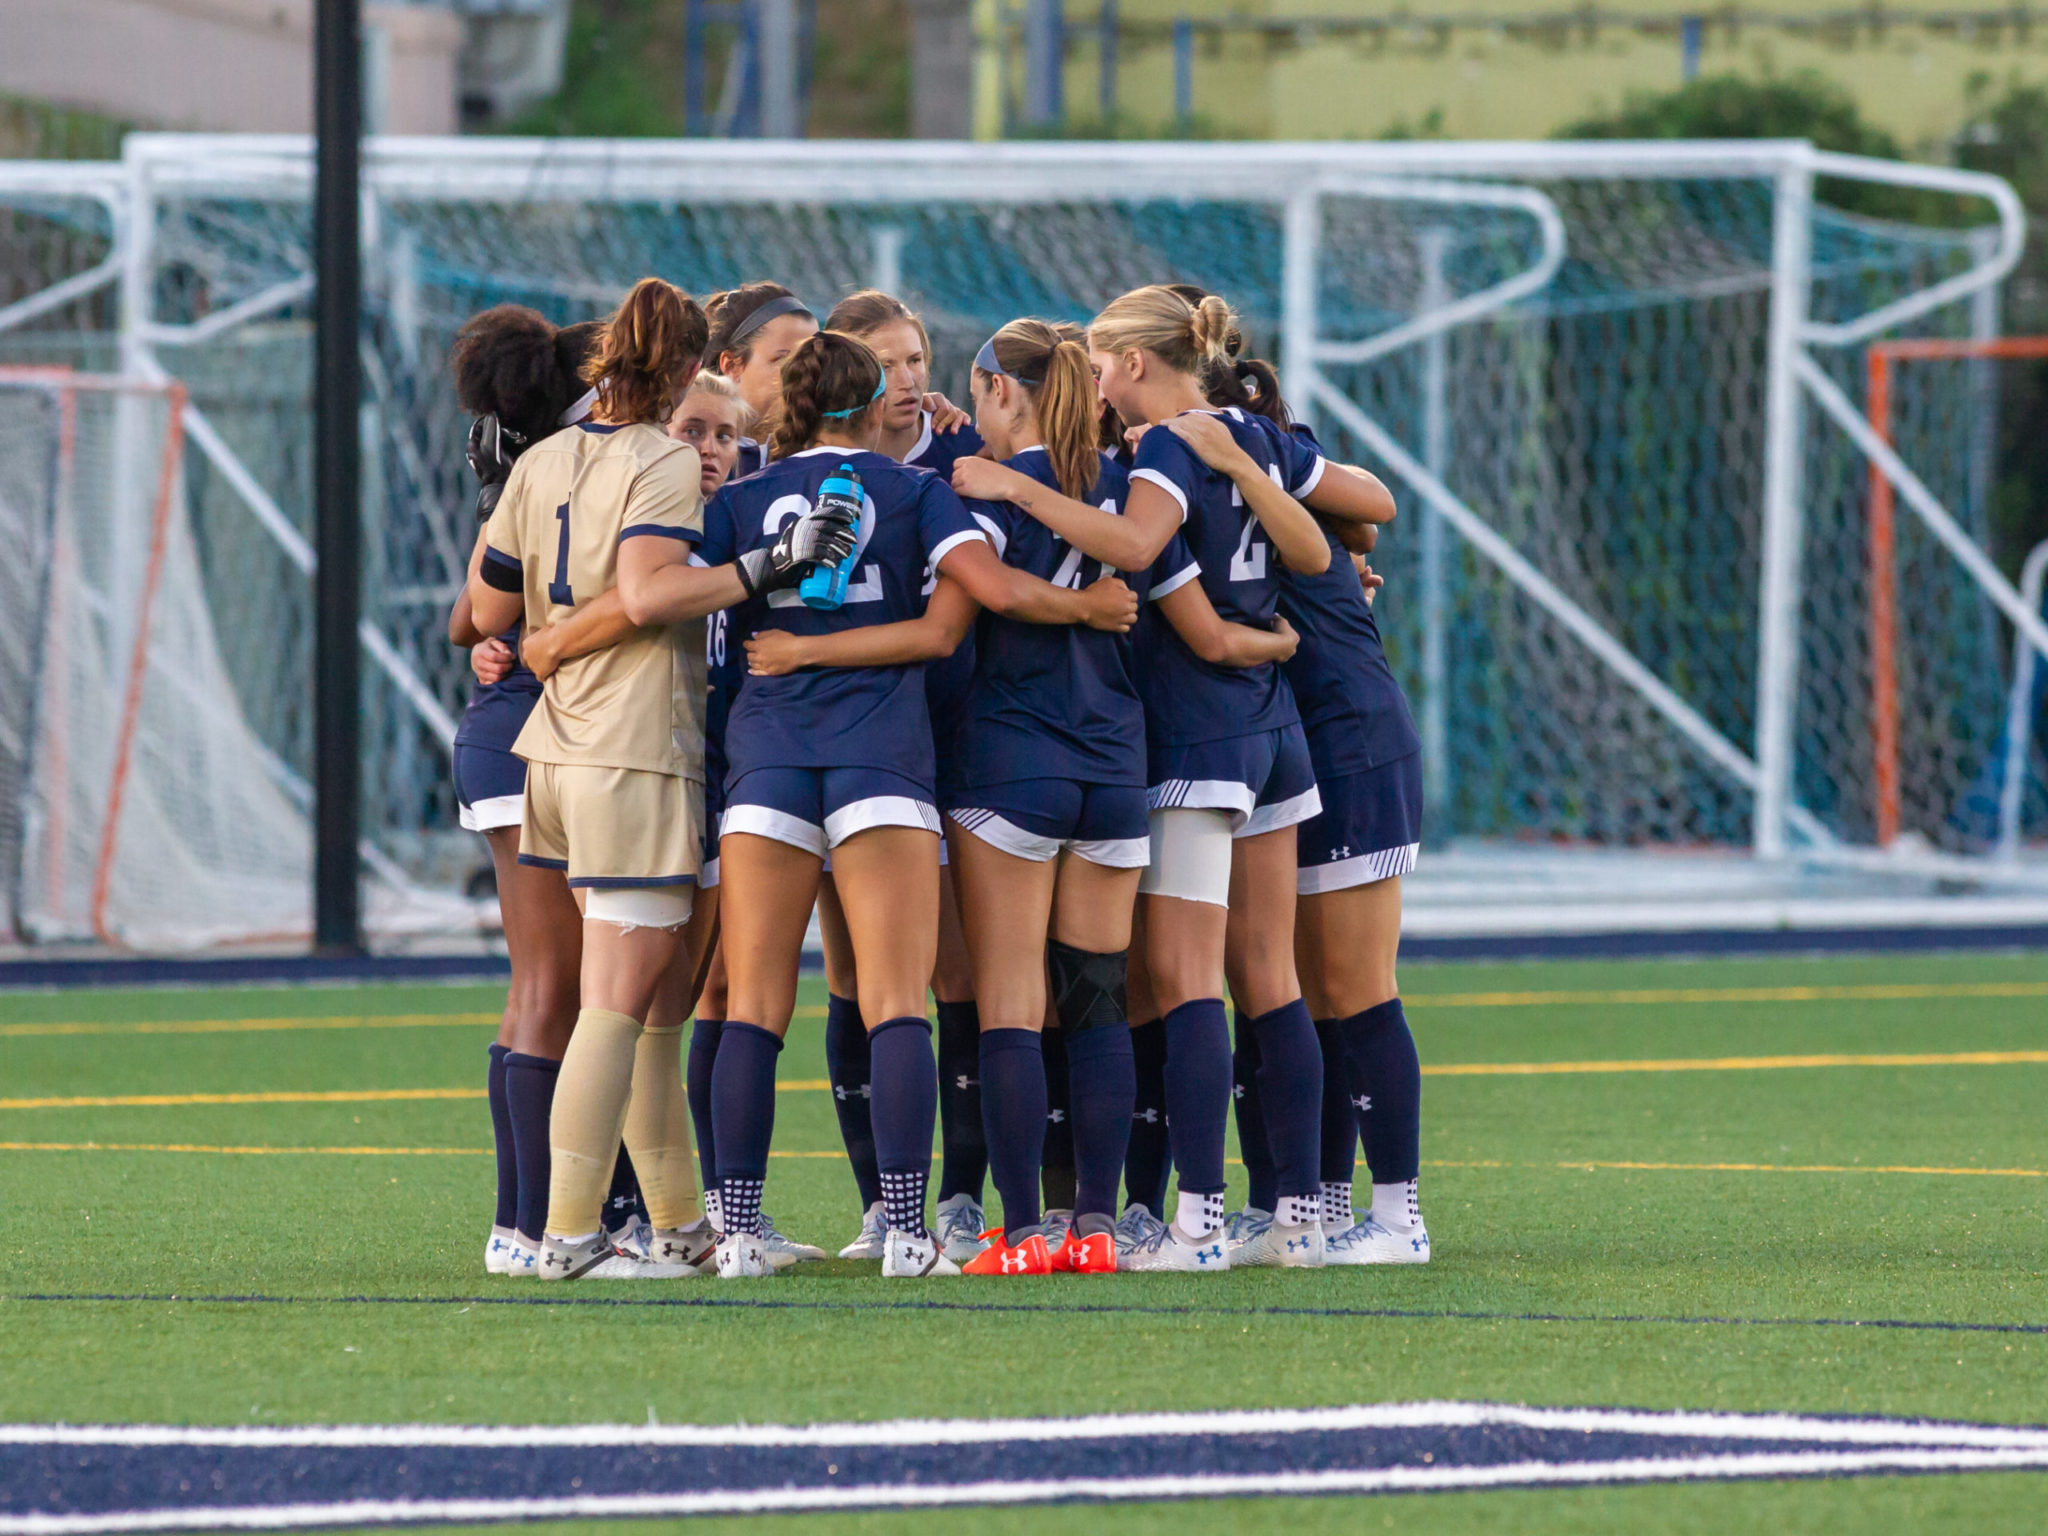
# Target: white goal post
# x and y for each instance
(1614, 385)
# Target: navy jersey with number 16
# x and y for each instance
(836, 717)
(1189, 700)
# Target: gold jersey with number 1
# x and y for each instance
(570, 501)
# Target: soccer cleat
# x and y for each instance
(693, 1245)
(907, 1258)
(873, 1239)
(1238, 1225)
(1371, 1243)
(1165, 1251)
(499, 1250)
(962, 1228)
(594, 1258)
(634, 1239)
(784, 1251)
(1094, 1254)
(1000, 1258)
(1267, 1244)
(525, 1259)
(1056, 1225)
(1134, 1228)
(743, 1256)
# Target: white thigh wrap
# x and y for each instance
(1190, 856)
(647, 906)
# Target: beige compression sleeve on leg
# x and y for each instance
(588, 1116)
(658, 1130)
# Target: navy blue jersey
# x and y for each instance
(947, 679)
(497, 711)
(753, 459)
(1354, 712)
(1059, 701)
(1188, 700)
(836, 717)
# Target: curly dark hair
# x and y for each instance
(513, 363)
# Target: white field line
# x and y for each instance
(923, 1432)
(1407, 1479)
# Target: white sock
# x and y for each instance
(1298, 1210)
(576, 1242)
(1337, 1205)
(1196, 1216)
(714, 1209)
(1394, 1206)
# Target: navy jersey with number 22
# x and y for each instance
(1189, 700)
(836, 717)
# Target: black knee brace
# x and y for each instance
(1087, 988)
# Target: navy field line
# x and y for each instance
(62, 1480)
(762, 1303)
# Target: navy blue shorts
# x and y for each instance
(714, 808)
(817, 809)
(1265, 782)
(1370, 828)
(1035, 818)
(490, 787)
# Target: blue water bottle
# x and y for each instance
(825, 587)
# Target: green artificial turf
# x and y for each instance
(1580, 1284)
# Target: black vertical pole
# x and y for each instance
(337, 468)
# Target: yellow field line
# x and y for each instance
(1731, 1064)
(1650, 997)
(170, 1146)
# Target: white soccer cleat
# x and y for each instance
(1165, 1251)
(1371, 1243)
(1239, 1225)
(743, 1256)
(874, 1236)
(1135, 1228)
(525, 1260)
(635, 1239)
(1266, 1244)
(594, 1258)
(910, 1258)
(499, 1250)
(963, 1228)
(784, 1251)
(693, 1245)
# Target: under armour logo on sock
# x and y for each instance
(1237, 1090)
(1149, 1116)
(1362, 1103)
(843, 1093)
(1340, 853)
(964, 1082)
(1056, 1116)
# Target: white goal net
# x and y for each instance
(1618, 388)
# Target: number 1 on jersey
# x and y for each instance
(558, 589)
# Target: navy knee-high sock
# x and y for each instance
(1103, 1071)
(1340, 1115)
(1013, 1114)
(1198, 1092)
(847, 1065)
(906, 1083)
(1146, 1162)
(507, 1215)
(529, 1098)
(962, 1136)
(1057, 1175)
(743, 1120)
(1388, 1077)
(623, 1203)
(1252, 1143)
(697, 1085)
(1291, 1093)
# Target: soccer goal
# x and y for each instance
(1621, 389)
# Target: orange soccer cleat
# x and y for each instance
(999, 1258)
(1091, 1255)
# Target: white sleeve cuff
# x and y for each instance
(1165, 485)
(1315, 477)
(996, 536)
(947, 546)
(1174, 583)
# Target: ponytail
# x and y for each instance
(1248, 383)
(1189, 338)
(828, 377)
(1053, 370)
(649, 350)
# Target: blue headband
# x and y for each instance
(854, 410)
(986, 360)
